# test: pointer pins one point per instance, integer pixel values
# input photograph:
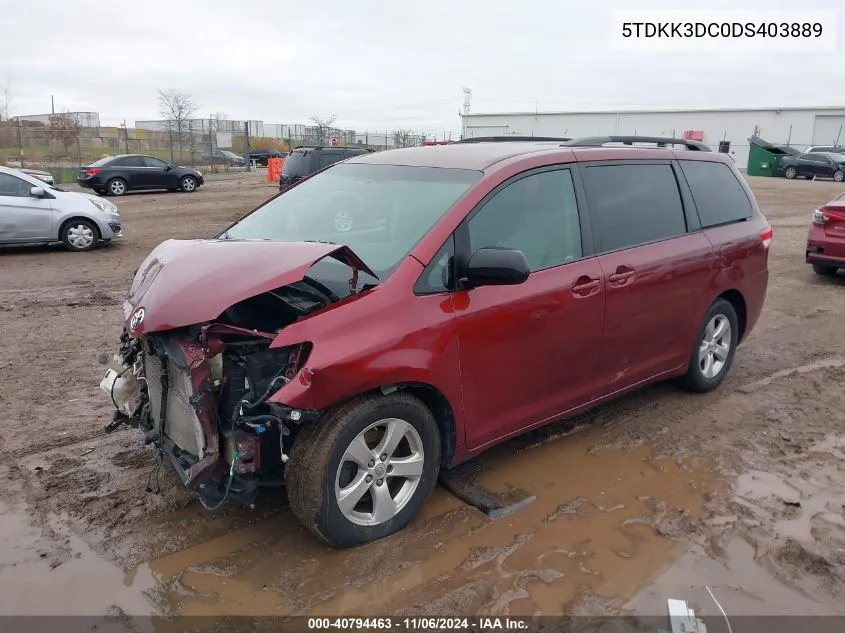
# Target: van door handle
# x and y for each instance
(584, 286)
(621, 276)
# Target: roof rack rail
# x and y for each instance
(660, 141)
(505, 139)
(356, 147)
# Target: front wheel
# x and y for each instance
(839, 175)
(825, 270)
(188, 184)
(362, 473)
(790, 172)
(80, 235)
(714, 348)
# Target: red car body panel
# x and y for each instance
(826, 243)
(181, 282)
(510, 358)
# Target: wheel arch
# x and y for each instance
(76, 218)
(735, 298)
(434, 400)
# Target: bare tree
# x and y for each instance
(404, 138)
(216, 122)
(5, 101)
(64, 127)
(177, 108)
(322, 126)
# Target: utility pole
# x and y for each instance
(52, 104)
(246, 145)
(20, 142)
(467, 104)
(125, 136)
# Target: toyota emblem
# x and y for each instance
(137, 319)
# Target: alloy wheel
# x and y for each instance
(715, 346)
(379, 472)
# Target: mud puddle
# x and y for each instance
(46, 572)
(781, 553)
(603, 521)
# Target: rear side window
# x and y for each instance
(635, 204)
(327, 159)
(719, 196)
(134, 161)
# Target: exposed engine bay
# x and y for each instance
(199, 393)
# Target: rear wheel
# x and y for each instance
(364, 471)
(116, 186)
(825, 270)
(790, 172)
(80, 235)
(714, 348)
(188, 184)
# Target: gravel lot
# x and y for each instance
(652, 497)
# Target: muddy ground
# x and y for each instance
(660, 495)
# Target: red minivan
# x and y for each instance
(826, 238)
(478, 290)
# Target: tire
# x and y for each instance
(839, 175)
(117, 187)
(790, 172)
(188, 184)
(699, 378)
(320, 468)
(80, 235)
(825, 270)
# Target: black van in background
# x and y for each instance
(304, 161)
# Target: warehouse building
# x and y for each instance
(798, 127)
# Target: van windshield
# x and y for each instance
(379, 211)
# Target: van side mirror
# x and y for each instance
(37, 192)
(494, 266)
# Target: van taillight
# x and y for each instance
(92, 172)
(766, 236)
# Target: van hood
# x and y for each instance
(184, 282)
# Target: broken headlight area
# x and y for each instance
(199, 394)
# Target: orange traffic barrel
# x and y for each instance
(274, 169)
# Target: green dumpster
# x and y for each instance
(763, 157)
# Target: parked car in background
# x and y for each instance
(507, 285)
(116, 175)
(826, 238)
(33, 211)
(813, 165)
(815, 149)
(304, 161)
(224, 157)
(44, 176)
(260, 156)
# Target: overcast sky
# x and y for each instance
(380, 64)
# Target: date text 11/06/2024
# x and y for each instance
(419, 624)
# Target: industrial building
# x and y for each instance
(797, 127)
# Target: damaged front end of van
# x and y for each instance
(198, 362)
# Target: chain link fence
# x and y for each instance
(61, 145)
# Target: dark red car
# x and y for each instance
(496, 287)
(826, 239)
